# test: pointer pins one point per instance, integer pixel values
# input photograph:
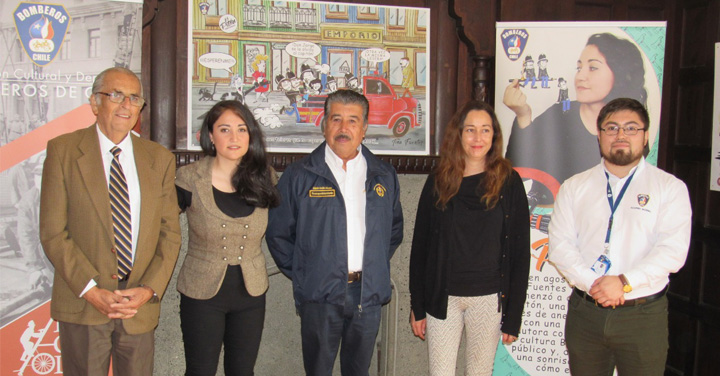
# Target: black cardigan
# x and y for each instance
(429, 258)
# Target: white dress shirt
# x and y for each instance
(352, 187)
(127, 161)
(650, 233)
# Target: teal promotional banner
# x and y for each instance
(552, 79)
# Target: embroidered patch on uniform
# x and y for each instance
(643, 199)
(380, 190)
(322, 192)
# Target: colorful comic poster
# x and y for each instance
(552, 79)
(282, 59)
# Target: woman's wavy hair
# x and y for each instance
(449, 172)
(253, 180)
(626, 63)
(258, 59)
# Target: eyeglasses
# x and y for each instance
(613, 130)
(118, 97)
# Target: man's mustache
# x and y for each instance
(342, 136)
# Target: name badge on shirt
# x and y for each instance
(322, 192)
(601, 265)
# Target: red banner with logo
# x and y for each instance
(52, 54)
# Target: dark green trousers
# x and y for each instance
(633, 339)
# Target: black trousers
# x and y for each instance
(232, 317)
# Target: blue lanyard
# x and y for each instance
(614, 206)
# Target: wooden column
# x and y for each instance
(483, 78)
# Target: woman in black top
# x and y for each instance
(470, 255)
(223, 279)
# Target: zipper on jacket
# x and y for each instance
(368, 182)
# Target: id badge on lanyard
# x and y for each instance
(603, 263)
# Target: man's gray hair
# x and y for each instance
(344, 96)
(98, 83)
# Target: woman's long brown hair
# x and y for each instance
(449, 172)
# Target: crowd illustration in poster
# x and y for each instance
(285, 80)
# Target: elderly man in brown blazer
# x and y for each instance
(109, 224)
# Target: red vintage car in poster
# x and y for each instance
(386, 109)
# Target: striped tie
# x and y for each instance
(120, 208)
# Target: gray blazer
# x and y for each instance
(217, 240)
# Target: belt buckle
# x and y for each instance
(354, 276)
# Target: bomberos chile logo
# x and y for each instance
(41, 28)
(514, 42)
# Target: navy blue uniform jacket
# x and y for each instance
(307, 233)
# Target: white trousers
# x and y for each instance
(480, 318)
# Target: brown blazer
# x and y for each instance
(76, 226)
(217, 240)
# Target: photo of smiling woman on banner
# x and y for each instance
(560, 139)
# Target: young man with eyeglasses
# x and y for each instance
(99, 184)
(618, 230)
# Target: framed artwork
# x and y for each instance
(282, 59)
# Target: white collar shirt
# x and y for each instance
(352, 187)
(127, 160)
(650, 234)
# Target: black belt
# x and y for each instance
(354, 276)
(628, 302)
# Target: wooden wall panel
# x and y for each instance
(682, 347)
(712, 217)
(444, 67)
(694, 43)
(710, 276)
(697, 23)
(593, 12)
(476, 19)
(645, 13)
(524, 10)
(163, 102)
(706, 355)
(691, 100)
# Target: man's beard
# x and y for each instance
(621, 157)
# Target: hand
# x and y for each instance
(507, 339)
(102, 300)
(608, 291)
(132, 300)
(516, 100)
(418, 326)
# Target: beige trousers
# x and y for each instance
(480, 318)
